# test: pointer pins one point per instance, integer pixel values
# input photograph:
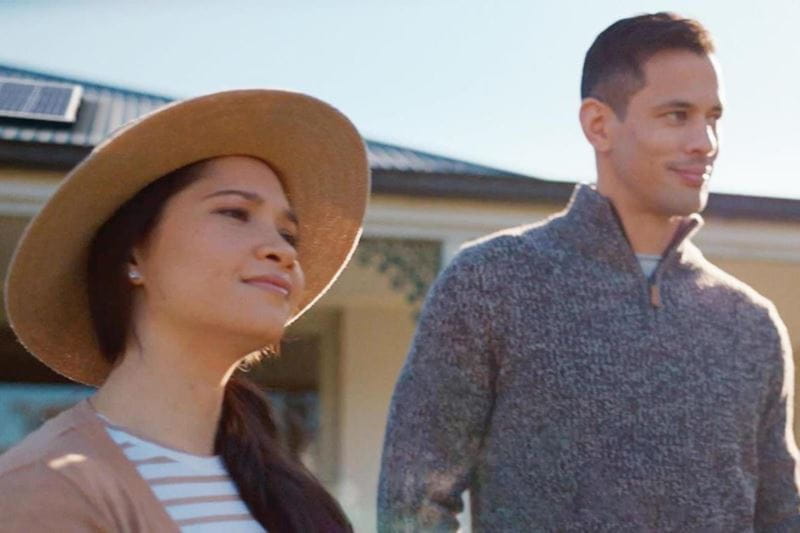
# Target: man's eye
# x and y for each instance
(677, 116)
(237, 213)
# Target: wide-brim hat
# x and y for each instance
(314, 149)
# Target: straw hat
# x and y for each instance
(316, 151)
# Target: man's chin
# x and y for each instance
(686, 205)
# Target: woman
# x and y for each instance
(179, 249)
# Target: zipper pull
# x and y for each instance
(655, 296)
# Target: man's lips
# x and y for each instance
(275, 284)
(692, 175)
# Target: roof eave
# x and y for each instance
(502, 188)
(762, 208)
(47, 155)
(516, 189)
(505, 188)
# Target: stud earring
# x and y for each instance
(134, 275)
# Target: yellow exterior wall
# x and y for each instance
(780, 282)
(21, 190)
(374, 348)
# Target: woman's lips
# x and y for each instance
(275, 284)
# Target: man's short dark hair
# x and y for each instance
(612, 70)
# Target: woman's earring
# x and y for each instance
(134, 276)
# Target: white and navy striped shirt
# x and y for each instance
(196, 491)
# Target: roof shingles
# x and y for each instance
(103, 109)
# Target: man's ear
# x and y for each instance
(597, 121)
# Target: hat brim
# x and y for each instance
(315, 150)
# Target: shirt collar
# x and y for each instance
(592, 226)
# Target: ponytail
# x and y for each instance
(279, 492)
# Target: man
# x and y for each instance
(596, 372)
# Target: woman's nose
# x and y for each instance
(277, 248)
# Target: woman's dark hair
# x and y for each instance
(612, 69)
(279, 492)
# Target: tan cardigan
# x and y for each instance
(69, 476)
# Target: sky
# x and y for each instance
(491, 82)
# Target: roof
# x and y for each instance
(389, 157)
(105, 108)
(396, 169)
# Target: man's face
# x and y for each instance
(664, 149)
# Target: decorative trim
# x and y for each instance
(454, 223)
(411, 265)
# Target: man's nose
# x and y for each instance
(704, 141)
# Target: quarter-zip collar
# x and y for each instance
(592, 226)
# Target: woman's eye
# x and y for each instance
(233, 212)
(291, 238)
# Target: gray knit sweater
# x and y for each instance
(568, 393)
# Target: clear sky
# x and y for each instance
(493, 82)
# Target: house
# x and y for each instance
(333, 381)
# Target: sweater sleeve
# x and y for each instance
(778, 497)
(37, 498)
(440, 407)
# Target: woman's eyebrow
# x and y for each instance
(290, 215)
(247, 195)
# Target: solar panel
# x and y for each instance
(38, 100)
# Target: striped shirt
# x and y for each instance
(196, 491)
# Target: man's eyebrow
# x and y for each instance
(683, 104)
(676, 104)
(290, 215)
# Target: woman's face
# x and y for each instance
(222, 259)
